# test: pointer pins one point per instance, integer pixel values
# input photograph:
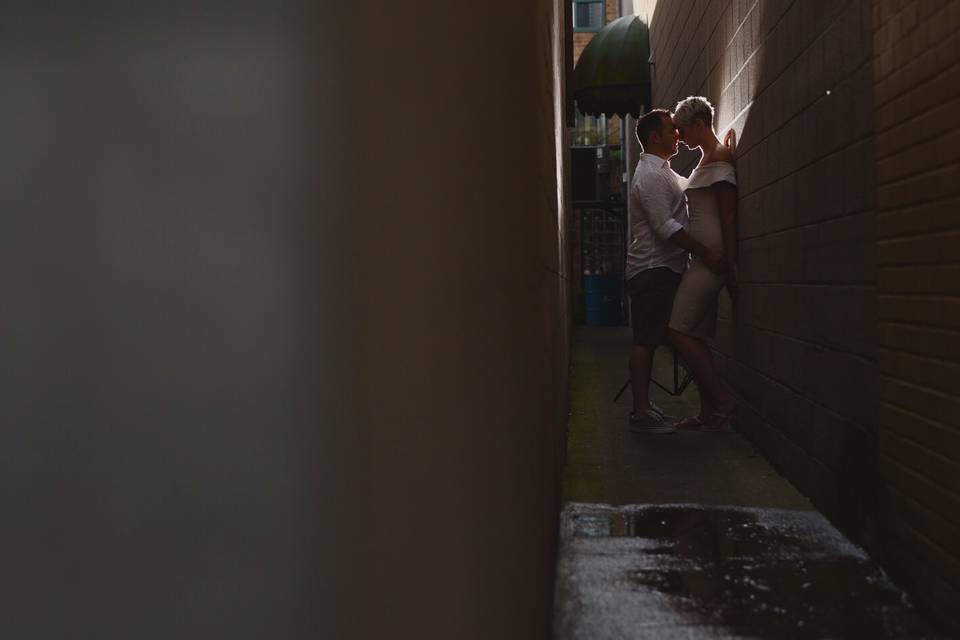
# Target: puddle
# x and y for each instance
(756, 573)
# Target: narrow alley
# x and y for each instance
(694, 535)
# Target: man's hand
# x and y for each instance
(714, 259)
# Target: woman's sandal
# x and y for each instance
(718, 420)
(693, 423)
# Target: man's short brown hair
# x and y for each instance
(649, 122)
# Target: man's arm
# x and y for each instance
(656, 203)
(713, 258)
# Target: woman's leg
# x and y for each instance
(707, 404)
(715, 395)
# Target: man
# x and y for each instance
(656, 258)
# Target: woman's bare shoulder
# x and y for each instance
(723, 154)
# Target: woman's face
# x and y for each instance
(688, 134)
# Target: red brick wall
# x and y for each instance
(917, 91)
(580, 41)
(582, 38)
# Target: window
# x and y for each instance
(588, 15)
(589, 131)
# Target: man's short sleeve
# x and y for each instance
(653, 194)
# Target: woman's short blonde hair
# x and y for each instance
(693, 107)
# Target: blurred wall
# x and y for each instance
(457, 331)
(269, 373)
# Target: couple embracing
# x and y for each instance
(683, 251)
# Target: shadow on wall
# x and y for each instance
(790, 86)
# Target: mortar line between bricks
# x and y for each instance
(716, 64)
(899, 268)
(917, 560)
(752, 53)
(668, 29)
(679, 31)
(746, 108)
(903, 94)
(807, 225)
(779, 334)
(946, 108)
(855, 141)
(919, 445)
(687, 51)
(760, 45)
(919, 387)
(920, 416)
(727, 46)
(906, 206)
(913, 296)
(916, 476)
(933, 359)
(782, 435)
(926, 328)
(856, 356)
(859, 427)
(807, 106)
(923, 507)
(912, 209)
(820, 285)
(893, 267)
(926, 233)
(743, 22)
(917, 234)
(917, 174)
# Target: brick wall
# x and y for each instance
(794, 78)
(582, 38)
(917, 90)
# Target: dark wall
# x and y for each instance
(916, 72)
(846, 158)
(794, 79)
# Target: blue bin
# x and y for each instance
(602, 300)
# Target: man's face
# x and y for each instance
(682, 132)
(670, 135)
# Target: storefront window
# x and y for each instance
(589, 131)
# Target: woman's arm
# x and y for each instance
(726, 195)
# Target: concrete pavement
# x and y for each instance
(695, 535)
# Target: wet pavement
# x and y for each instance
(694, 535)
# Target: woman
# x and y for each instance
(712, 202)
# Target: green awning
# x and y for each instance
(613, 72)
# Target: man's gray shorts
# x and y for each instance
(651, 300)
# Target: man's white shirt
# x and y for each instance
(658, 209)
